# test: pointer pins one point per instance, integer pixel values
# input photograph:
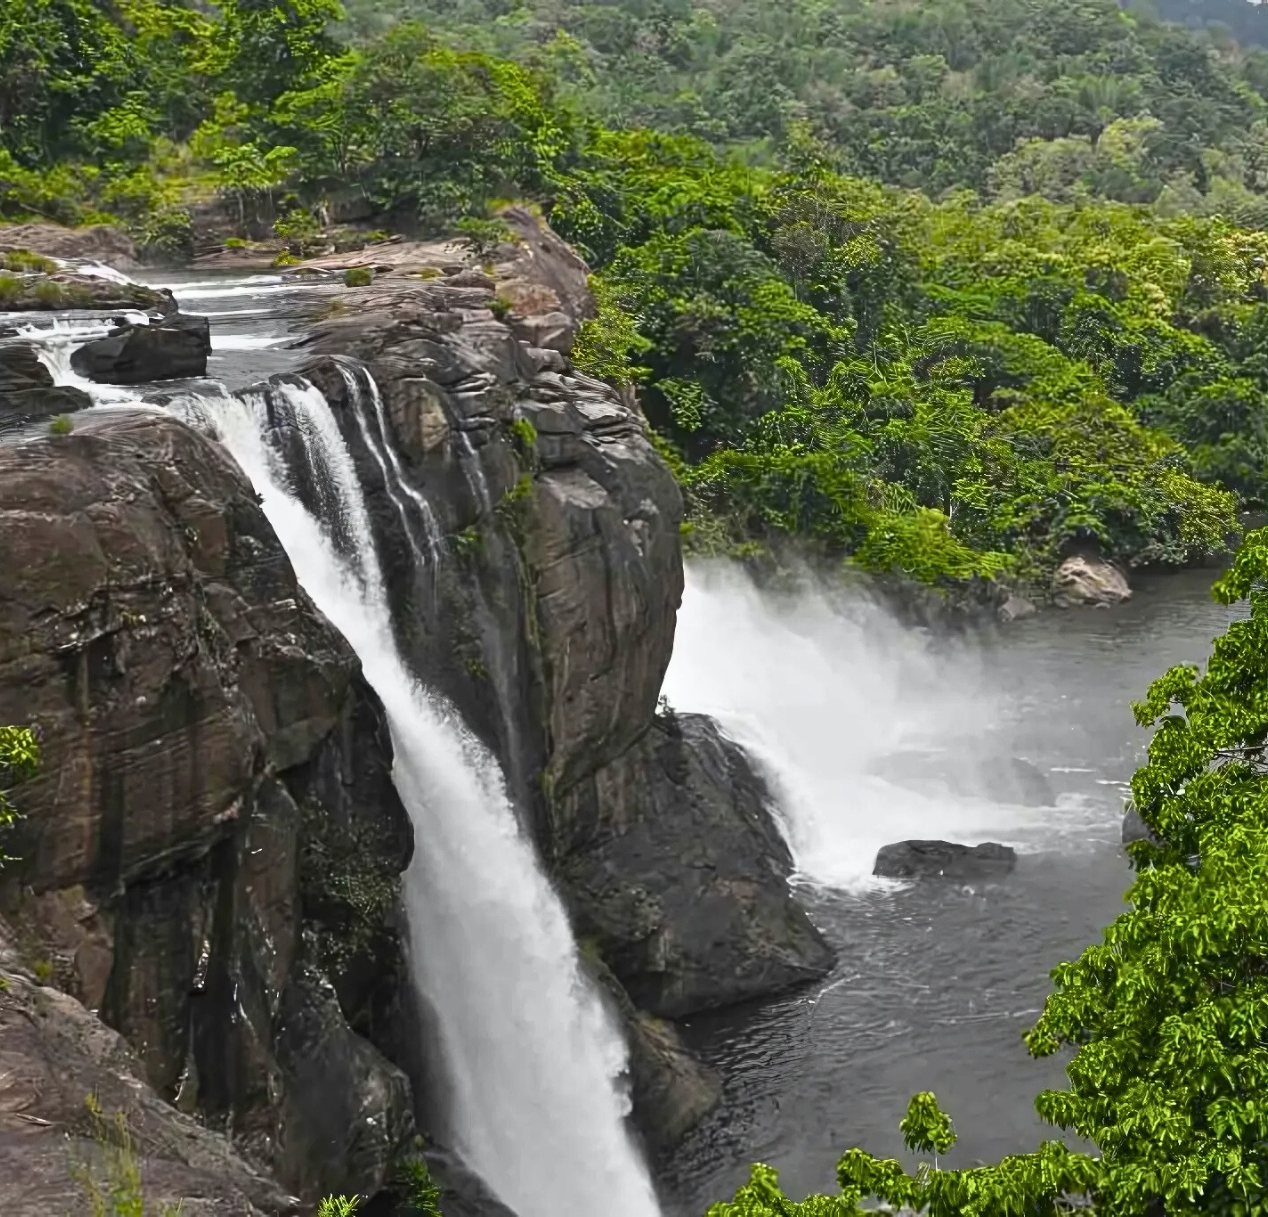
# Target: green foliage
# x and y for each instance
(926, 1128)
(24, 261)
(61, 425)
(300, 230)
(339, 1206)
(483, 237)
(500, 307)
(346, 888)
(110, 1175)
(358, 276)
(19, 761)
(417, 1189)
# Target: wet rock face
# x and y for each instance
(172, 348)
(53, 1054)
(681, 877)
(196, 715)
(542, 597)
(27, 392)
(944, 860)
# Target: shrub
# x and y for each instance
(483, 237)
(19, 760)
(358, 276)
(339, 1206)
(61, 425)
(500, 307)
(23, 260)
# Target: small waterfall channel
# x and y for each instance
(532, 1061)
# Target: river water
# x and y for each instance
(871, 733)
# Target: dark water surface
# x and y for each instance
(936, 983)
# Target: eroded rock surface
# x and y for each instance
(197, 717)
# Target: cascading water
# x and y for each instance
(531, 1057)
(356, 379)
(846, 711)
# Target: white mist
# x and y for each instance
(827, 694)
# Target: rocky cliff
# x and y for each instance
(532, 535)
(199, 723)
(210, 856)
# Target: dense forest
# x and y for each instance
(945, 287)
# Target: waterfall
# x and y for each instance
(357, 378)
(531, 1056)
(868, 734)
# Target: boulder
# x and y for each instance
(944, 860)
(27, 392)
(1015, 608)
(95, 243)
(1084, 579)
(174, 348)
(1017, 780)
(680, 877)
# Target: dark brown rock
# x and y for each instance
(53, 1055)
(173, 348)
(680, 876)
(196, 714)
(27, 392)
(944, 860)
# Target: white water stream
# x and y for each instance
(531, 1058)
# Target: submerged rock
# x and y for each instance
(174, 348)
(683, 882)
(944, 860)
(1089, 580)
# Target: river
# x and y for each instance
(872, 734)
